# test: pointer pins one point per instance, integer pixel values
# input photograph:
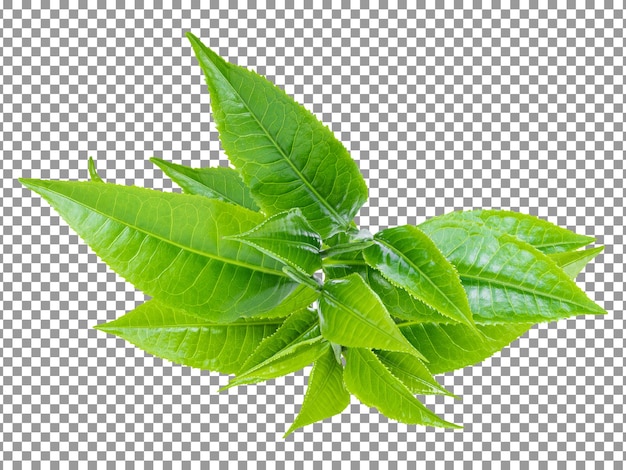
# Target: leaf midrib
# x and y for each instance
(307, 184)
(177, 245)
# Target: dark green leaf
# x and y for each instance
(372, 383)
(326, 394)
(409, 259)
(285, 155)
(216, 183)
(180, 337)
(171, 246)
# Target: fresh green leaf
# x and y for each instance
(507, 280)
(412, 373)
(171, 246)
(352, 315)
(300, 326)
(372, 383)
(287, 237)
(573, 262)
(454, 346)
(543, 235)
(301, 297)
(287, 361)
(409, 259)
(93, 173)
(180, 337)
(326, 394)
(216, 183)
(285, 155)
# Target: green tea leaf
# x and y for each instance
(289, 360)
(507, 280)
(300, 326)
(454, 346)
(287, 237)
(171, 246)
(93, 173)
(326, 394)
(409, 259)
(372, 383)
(352, 315)
(412, 373)
(541, 234)
(180, 337)
(301, 297)
(285, 155)
(216, 183)
(573, 262)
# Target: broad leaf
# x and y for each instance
(352, 315)
(449, 347)
(287, 237)
(372, 383)
(412, 373)
(543, 235)
(409, 259)
(301, 297)
(573, 262)
(216, 183)
(180, 337)
(171, 246)
(507, 280)
(326, 394)
(298, 327)
(289, 360)
(285, 155)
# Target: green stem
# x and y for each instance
(346, 248)
(302, 278)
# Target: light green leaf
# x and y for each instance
(412, 373)
(453, 346)
(287, 237)
(573, 262)
(300, 326)
(301, 297)
(93, 173)
(352, 315)
(543, 235)
(326, 394)
(409, 259)
(216, 183)
(372, 383)
(180, 337)
(285, 155)
(289, 360)
(507, 280)
(171, 246)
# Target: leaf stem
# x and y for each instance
(346, 248)
(302, 278)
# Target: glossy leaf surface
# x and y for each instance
(285, 155)
(409, 259)
(372, 383)
(195, 269)
(180, 337)
(326, 394)
(218, 182)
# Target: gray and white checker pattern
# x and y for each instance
(506, 104)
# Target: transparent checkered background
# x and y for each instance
(509, 105)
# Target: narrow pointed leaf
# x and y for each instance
(287, 237)
(506, 279)
(287, 361)
(412, 373)
(352, 315)
(285, 155)
(449, 347)
(573, 262)
(372, 383)
(180, 337)
(196, 269)
(300, 326)
(93, 173)
(409, 259)
(541, 234)
(326, 394)
(216, 183)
